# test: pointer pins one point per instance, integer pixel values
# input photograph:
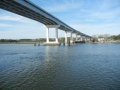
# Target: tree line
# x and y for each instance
(115, 37)
(107, 37)
(41, 40)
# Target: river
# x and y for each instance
(75, 67)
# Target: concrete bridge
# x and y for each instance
(28, 9)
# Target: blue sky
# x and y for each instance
(87, 16)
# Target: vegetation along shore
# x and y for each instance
(95, 39)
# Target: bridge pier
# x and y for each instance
(65, 37)
(71, 38)
(84, 38)
(47, 35)
(81, 39)
(56, 38)
(76, 37)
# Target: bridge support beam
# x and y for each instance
(65, 37)
(56, 38)
(81, 39)
(88, 39)
(71, 39)
(84, 38)
(76, 37)
(47, 35)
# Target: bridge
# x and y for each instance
(30, 10)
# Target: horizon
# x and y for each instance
(91, 17)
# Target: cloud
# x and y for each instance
(107, 4)
(23, 31)
(15, 27)
(16, 18)
(101, 10)
(107, 14)
(88, 29)
(64, 6)
(5, 25)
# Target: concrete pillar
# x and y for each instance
(71, 38)
(65, 37)
(47, 34)
(81, 38)
(76, 37)
(85, 39)
(56, 32)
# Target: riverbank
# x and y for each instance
(117, 41)
(17, 42)
(105, 42)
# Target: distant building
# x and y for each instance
(101, 39)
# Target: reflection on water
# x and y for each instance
(47, 53)
(78, 67)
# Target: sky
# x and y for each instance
(91, 17)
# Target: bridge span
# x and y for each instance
(30, 10)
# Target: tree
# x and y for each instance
(106, 36)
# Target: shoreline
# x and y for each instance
(19, 43)
(107, 42)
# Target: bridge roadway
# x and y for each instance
(30, 10)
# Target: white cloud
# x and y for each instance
(107, 14)
(61, 7)
(10, 18)
(17, 18)
(98, 29)
(5, 25)
(23, 31)
(107, 4)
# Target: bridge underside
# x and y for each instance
(17, 8)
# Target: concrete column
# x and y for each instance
(47, 34)
(56, 35)
(71, 38)
(56, 32)
(65, 37)
(76, 37)
(85, 39)
(81, 38)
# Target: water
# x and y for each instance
(78, 67)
